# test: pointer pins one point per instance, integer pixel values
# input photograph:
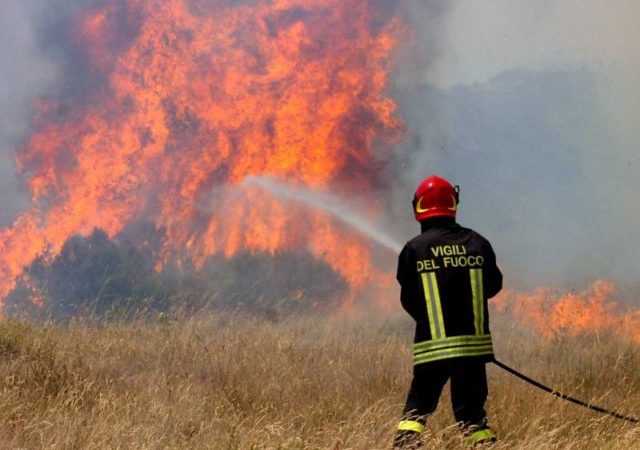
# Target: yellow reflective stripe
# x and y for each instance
(458, 351)
(480, 280)
(477, 292)
(450, 341)
(453, 353)
(461, 338)
(452, 347)
(411, 425)
(433, 357)
(480, 436)
(436, 293)
(474, 296)
(429, 301)
(434, 308)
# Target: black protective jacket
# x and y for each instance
(446, 275)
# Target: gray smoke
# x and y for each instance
(532, 108)
(25, 72)
(33, 63)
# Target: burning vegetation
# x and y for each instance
(95, 276)
(177, 106)
(554, 313)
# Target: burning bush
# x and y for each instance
(269, 285)
(92, 274)
(108, 278)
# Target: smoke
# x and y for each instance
(35, 63)
(25, 73)
(532, 108)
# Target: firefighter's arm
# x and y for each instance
(493, 278)
(407, 298)
(406, 277)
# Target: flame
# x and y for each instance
(552, 312)
(186, 99)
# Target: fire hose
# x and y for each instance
(565, 396)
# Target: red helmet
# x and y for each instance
(435, 197)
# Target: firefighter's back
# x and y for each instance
(454, 274)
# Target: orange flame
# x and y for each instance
(554, 313)
(190, 97)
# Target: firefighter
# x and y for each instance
(446, 275)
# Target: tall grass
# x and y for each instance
(233, 382)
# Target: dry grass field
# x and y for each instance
(231, 382)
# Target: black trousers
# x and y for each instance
(468, 391)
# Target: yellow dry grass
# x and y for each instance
(231, 382)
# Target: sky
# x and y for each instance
(531, 107)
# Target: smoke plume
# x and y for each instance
(531, 107)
